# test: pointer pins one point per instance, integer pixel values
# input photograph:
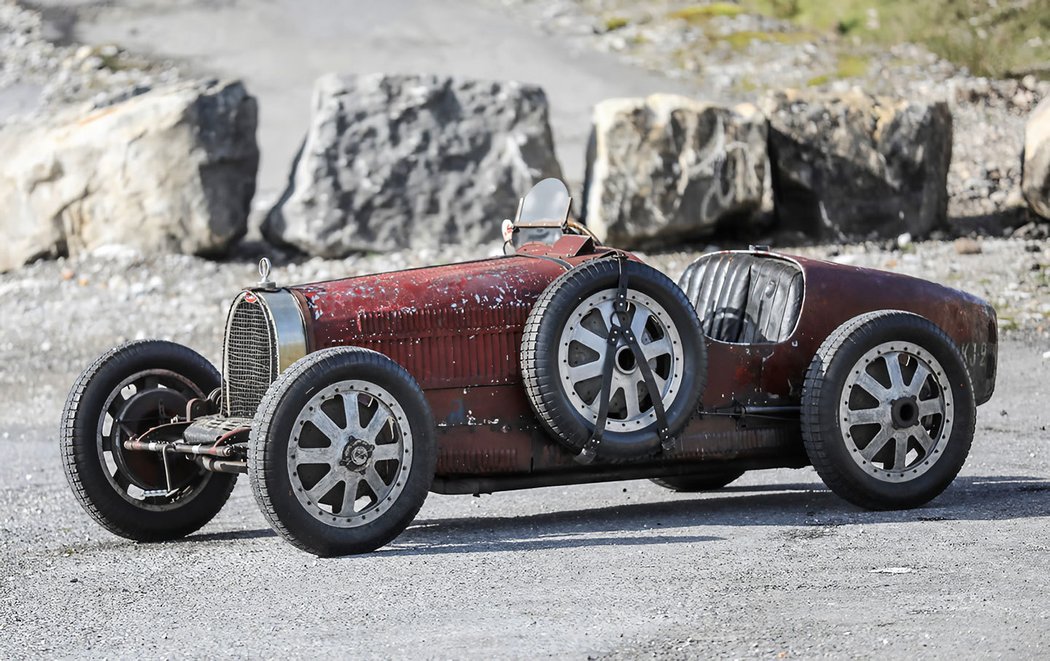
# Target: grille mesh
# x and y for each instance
(250, 357)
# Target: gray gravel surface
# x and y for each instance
(773, 566)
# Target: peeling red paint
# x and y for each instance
(457, 329)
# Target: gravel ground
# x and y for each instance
(774, 566)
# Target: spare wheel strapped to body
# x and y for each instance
(613, 359)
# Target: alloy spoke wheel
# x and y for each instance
(349, 455)
(583, 348)
(896, 411)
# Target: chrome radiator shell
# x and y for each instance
(265, 334)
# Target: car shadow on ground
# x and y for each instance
(674, 520)
(257, 533)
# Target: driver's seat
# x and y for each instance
(743, 298)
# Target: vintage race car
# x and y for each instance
(563, 362)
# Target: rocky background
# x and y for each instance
(817, 141)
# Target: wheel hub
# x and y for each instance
(625, 360)
(146, 409)
(904, 412)
(356, 453)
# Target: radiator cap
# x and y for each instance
(264, 275)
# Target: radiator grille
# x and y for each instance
(249, 356)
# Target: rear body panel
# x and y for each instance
(457, 329)
(772, 374)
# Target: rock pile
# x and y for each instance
(398, 161)
(843, 167)
(102, 147)
(171, 170)
(667, 168)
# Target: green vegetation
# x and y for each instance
(745, 84)
(1007, 323)
(740, 40)
(848, 66)
(701, 13)
(113, 62)
(615, 23)
(990, 37)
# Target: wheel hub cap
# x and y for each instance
(625, 360)
(356, 453)
(904, 412)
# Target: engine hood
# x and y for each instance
(455, 325)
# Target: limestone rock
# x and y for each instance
(668, 168)
(854, 166)
(410, 161)
(170, 170)
(1035, 180)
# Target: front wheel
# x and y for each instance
(342, 452)
(887, 411)
(124, 393)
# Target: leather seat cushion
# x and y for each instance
(742, 298)
(718, 286)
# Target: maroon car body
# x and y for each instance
(458, 328)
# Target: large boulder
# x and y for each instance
(1035, 180)
(410, 161)
(854, 166)
(170, 170)
(667, 168)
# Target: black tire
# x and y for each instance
(697, 483)
(88, 445)
(540, 362)
(277, 442)
(833, 392)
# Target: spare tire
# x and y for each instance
(564, 349)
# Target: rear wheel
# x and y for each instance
(342, 452)
(124, 393)
(888, 411)
(696, 483)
